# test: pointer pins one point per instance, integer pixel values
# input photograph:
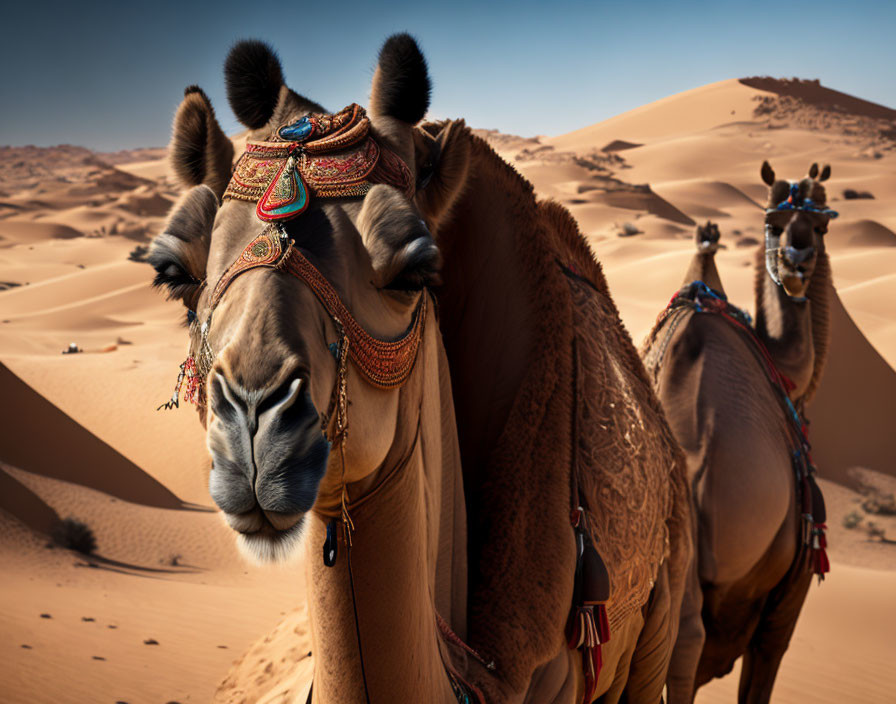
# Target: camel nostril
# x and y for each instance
(225, 404)
(798, 256)
(283, 396)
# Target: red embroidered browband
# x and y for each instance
(326, 156)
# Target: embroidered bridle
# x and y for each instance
(777, 217)
(322, 156)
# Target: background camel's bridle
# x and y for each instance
(794, 202)
(327, 156)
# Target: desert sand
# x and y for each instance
(166, 611)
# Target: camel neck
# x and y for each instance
(485, 303)
(401, 564)
(703, 268)
(785, 326)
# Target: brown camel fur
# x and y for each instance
(534, 349)
(736, 435)
(519, 284)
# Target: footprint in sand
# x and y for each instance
(150, 641)
(45, 616)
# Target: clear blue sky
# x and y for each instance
(109, 75)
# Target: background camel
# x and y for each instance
(745, 460)
(549, 387)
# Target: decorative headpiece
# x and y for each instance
(325, 156)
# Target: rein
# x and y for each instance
(700, 298)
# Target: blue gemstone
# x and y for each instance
(297, 131)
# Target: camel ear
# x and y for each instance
(813, 171)
(254, 77)
(401, 86)
(200, 152)
(179, 254)
(768, 173)
(403, 253)
(442, 154)
(825, 173)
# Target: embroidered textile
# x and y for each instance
(325, 156)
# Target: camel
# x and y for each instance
(736, 406)
(408, 365)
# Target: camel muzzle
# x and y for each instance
(269, 454)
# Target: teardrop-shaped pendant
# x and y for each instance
(286, 197)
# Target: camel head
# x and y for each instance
(796, 220)
(708, 237)
(268, 351)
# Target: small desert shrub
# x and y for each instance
(875, 532)
(139, 253)
(72, 534)
(628, 230)
(851, 520)
(853, 194)
(880, 504)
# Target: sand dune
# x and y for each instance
(165, 605)
(863, 233)
(18, 232)
(74, 455)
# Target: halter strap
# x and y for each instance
(793, 202)
(385, 364)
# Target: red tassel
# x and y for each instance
(589, 628)
(193, 381)
(592, 662)
(603, 623)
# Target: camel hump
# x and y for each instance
(624, 448)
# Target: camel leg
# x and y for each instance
(689, 644)
(770, 641)
(729, 625)
(649, 664)
(703, 265)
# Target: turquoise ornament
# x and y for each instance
(298, 131)
(286, 197)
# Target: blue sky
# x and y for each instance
(109, 75)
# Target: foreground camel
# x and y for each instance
(733, 405)
(318, 367)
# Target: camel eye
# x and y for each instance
(172, 276)
(776, 231)
(821, 230)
